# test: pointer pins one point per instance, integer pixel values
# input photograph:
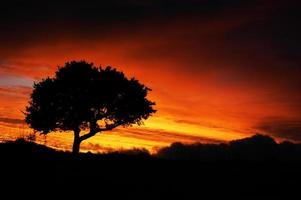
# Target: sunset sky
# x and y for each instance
(219, 69)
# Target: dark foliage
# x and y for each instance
(82, 96)
(255, 148)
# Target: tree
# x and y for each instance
(84, 97)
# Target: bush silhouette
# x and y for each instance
(84, 97)
(255, 148)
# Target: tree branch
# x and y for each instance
(94, 129)
(88, 135)
(110, 127)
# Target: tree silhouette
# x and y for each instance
(84, 97)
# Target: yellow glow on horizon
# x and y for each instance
(123, 138)
(190, 129)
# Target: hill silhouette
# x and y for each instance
(248, 168)
(256, 148)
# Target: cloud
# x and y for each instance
(11, 120)
(7, 80)
(281, 127)
(221, 39)
(18, 90)
(53, 22)
(165, 136)
(96, 148)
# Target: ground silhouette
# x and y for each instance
(180, 171)
(82, 96)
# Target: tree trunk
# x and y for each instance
(76, 142)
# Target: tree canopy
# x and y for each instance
(82, 96)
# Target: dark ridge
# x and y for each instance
(256, 148)
(251, 168)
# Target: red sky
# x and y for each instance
(219, 70)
